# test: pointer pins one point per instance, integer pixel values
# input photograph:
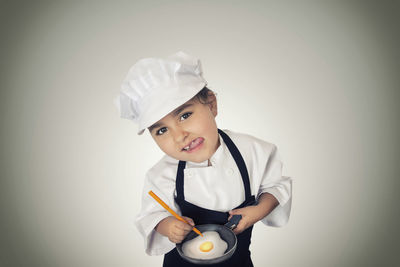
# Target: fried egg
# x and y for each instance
(208, 246)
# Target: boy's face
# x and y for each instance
(189, 133)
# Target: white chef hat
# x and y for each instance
(154, 87)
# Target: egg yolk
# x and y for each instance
(206, 246)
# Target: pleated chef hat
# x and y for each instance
(154, 87)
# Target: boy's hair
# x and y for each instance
(203, 95)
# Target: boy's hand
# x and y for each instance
(252, 214)
(174, 229)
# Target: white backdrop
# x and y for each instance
(317, 78)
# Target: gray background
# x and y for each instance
(317, 78)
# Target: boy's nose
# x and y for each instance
(180, 135)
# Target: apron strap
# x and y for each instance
(179, 180)
(236, 156)
(239, 162)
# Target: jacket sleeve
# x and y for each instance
(279, 186)
(152, 213)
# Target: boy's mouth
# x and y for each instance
(194, 145)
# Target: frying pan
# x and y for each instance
(226, 234)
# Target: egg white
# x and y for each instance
(191, 248)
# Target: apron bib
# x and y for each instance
(241, 257)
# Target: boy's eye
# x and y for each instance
(186, 115)
(161, 131)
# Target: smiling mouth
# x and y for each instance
(196, 143)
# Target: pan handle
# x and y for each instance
(233, 222)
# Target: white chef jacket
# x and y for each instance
(218, 187)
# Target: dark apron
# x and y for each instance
(241, 257)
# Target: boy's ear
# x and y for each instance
(212, 103)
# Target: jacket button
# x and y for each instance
(229, 171)
(189, 174)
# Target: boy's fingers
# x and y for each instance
(234, 212)
(179, 233)
(238, 230)
(186, 231)
(183, 226)
(189, 220)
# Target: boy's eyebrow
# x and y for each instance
(179, 110)
(174, 113)
(155, 125)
